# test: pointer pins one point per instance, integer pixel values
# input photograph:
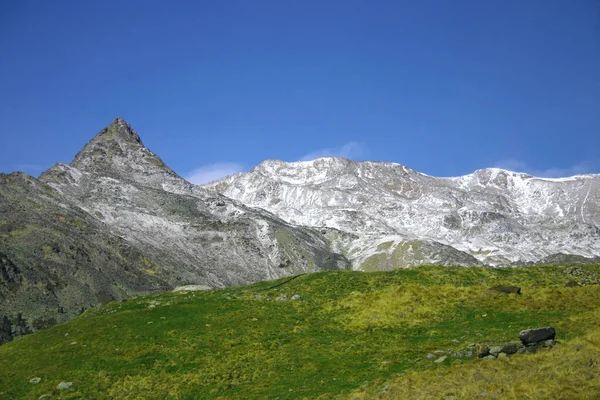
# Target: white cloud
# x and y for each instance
(212, 172)
(520, 166)
(350, 150)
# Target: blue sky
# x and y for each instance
(214, 87)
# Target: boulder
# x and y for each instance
(510, 348)
(482, 350)
(537, 335)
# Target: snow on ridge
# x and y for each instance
(496, 215)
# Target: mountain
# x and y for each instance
(384, 215)
(118, 222)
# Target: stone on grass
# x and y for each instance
(296, 297)
(510, 348)
(441, 359)
(64, 385)
(35, 380)
(430, 356)
(533, 336)
(192, 288)
(482, 350)
(528, 350)
(548, 343)
(495, 350)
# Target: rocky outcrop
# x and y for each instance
(532, 340)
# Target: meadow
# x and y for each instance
(400, 334)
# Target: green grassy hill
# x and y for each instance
(349, 334)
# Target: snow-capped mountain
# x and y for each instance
(385, 215)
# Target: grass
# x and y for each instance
(570, 371)
(351, 334)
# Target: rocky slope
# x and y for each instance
(385, 215)
(117, 221)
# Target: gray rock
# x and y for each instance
(548, 343)
(430, 356)
(282, 297)
(510, 348)
(35, 380)
(495, 350)
(296, 297)
(441, 359)
(490, 357)
(192, 288)
(482, 350)
(537, 335)
(528, 350)
(502, 355)
(64, 385)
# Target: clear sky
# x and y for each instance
(444, 87)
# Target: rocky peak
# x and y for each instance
(118, 152)
(119, 129)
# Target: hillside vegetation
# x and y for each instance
(334, 334)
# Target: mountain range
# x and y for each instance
(385, 215)
(117, 222)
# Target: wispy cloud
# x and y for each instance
(520, 166)
(350, 150)
(212, 172)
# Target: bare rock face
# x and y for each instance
(384, 215)
(118, 222)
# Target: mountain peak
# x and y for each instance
(117, 151)
(119, 129)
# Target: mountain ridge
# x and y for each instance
(473, 213)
